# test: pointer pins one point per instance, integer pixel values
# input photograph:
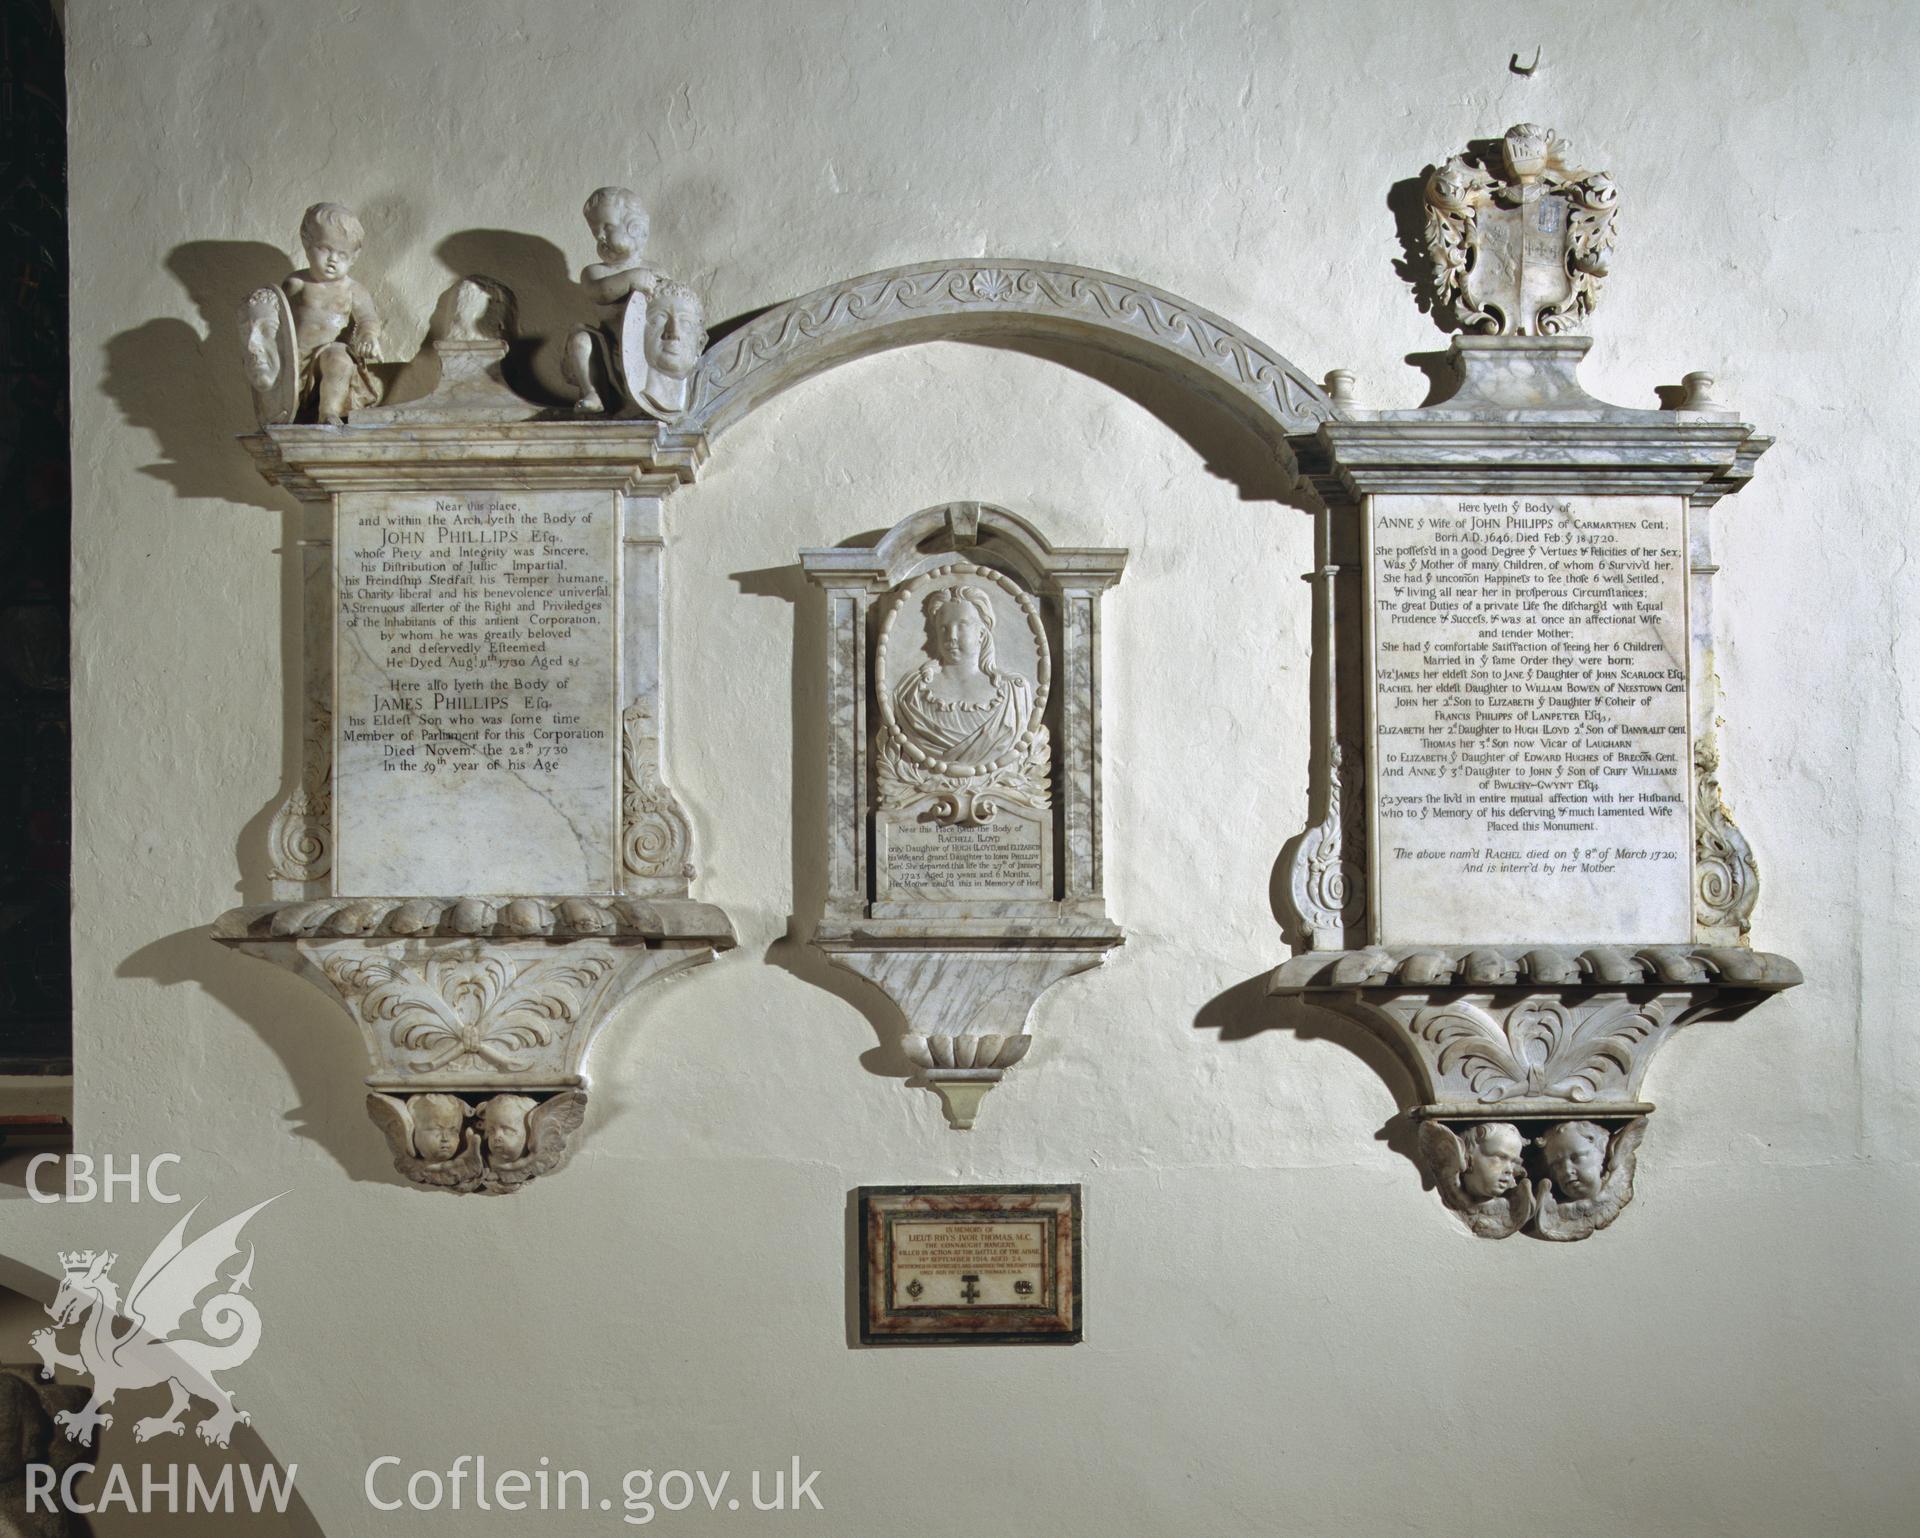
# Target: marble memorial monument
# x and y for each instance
(964, 780)
(481, 859)
(1524, 876)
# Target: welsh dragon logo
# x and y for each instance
(147, 1353)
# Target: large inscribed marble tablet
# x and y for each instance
(1531, 759)
(476, 718)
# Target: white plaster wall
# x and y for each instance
(1284, 1333)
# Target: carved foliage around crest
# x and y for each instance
(1519, 244)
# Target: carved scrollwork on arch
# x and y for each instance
(968, 298)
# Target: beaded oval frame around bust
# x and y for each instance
(915, 591)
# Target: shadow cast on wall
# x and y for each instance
(1230, 451)
(185, 385)
(793, 952)
(1407, 202)
(319, 1048)
(1245, 1010)
(546, 299)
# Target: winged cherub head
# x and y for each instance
(1493, 1159)
(1576, 1155)
(437, 1122)
(503, 1121)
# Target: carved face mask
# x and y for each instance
(506, 1134)
(329, 261)
(619, 235)
(260, 325)
(674, 336)
(955, 631)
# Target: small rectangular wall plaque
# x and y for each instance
(941, 1265)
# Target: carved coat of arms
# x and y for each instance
(1519, 248)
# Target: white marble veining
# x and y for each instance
(476, 712)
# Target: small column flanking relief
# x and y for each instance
(481, 859)
(963, 784)
(1539, 862)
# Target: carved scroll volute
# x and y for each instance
(656, 840)
(1328, 882)
(300, 838)
(1726, 880)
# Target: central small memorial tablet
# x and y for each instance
(964, 853)
(945, 1264)
(1532, 768)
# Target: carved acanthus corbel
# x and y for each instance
(478, 1013)
(1549, 1044)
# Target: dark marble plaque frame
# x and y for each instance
(1055, 1319)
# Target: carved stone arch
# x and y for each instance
(1007, 301)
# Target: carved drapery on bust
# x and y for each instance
(960, 733)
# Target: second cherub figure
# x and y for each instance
(653, 329)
